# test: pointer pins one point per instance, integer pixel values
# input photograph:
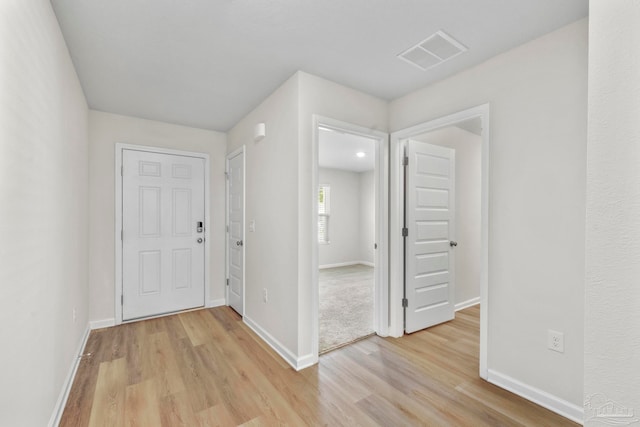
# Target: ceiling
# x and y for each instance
(207, 63)
(337, 150)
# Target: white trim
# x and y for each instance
(381, 178)
(104, 323)
(306, 361)
(295, 362)
(58, 409)
(119, 147)
(468, 303)
(234, 153)
(540, 397)
(396, 314)
(217, 302)
(346, 264)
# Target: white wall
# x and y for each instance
(43, 213)
(367, 216)
(105, 130)
(612, 306)
(271, 197)
(538, 128)
(328, 99)
(468, 175)
(344, 219)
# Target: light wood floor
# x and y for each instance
(206, 368)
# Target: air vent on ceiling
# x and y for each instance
(434, 50)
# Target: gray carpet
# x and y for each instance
(346, 305)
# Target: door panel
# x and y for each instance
(235, 235)
(162, 259)
(430, 217)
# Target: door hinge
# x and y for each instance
(122, 299)
(405, 302)
(121, 234)
(121, 170)
(227, 228)
(405, 232)
(226, 175)
(227, 282)
(405, 161)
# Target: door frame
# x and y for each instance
(396, 260)
(229, 156)
(381, 257)
(119, 148)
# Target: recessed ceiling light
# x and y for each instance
(360, 154)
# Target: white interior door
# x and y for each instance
(430, 220)
(163, 247)
(235, 232)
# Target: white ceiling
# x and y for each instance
(207, 63)
(337, 150)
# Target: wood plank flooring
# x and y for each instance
(206, 368)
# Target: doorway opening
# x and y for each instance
(442, 200)
(346, 237)
(350, 219)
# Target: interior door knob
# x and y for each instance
(239, 243)
(199, 240)
(452, 243)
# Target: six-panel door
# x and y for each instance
(163, 233)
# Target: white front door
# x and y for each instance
(235, 232)
(163, 251)
(430, 215)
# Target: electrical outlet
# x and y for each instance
(265, 297)
(556, 341)
(74, 315)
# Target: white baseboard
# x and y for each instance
(296, 363)
(346, 264)
(104, 323)
(553, 403)
(216, 302)
(68, 382)
(306, 361)
(468, 303)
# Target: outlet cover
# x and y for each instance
(555, 341)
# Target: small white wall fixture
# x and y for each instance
(396, 213)
(259, 132)
(381, 259)
(119, 147)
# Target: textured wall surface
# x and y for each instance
(538, 130)
(612, 305)
(271, 252)
(344, 219)
(43, 213)
(105, 130)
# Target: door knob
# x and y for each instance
(199, 240)
(239, 243)
(452, 243)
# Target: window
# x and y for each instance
(323, 214)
